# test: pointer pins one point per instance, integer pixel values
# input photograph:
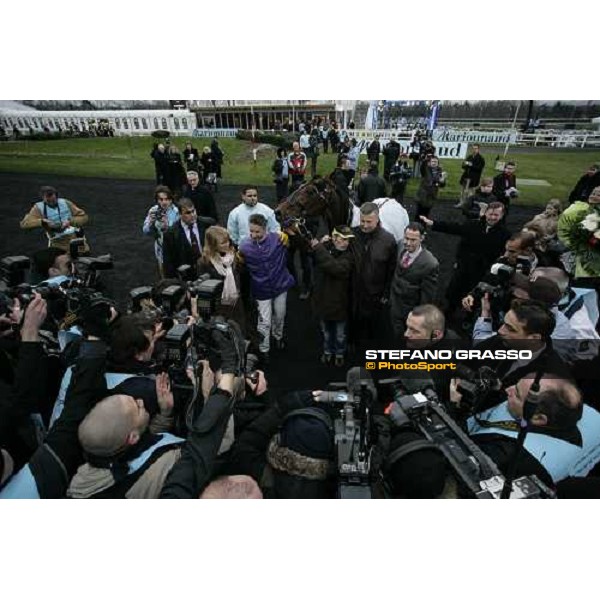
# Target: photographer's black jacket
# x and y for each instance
(17, 434)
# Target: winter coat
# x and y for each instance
(332, 282)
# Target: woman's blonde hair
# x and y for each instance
(214, 236)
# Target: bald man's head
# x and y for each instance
(232, 487)
(113, 424)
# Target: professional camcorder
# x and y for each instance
(421, 409)
(352, 406)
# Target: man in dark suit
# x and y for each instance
(371, 187)
(415, 279)
(481, 243)
(203, 199)
(182, 243)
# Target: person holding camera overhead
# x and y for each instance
(160, 217)
(505, 186)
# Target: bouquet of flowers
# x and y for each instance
(584, 239)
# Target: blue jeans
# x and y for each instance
(334, 337)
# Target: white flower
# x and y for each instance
(590, 223)
(597, 234)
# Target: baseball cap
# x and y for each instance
(343, 231)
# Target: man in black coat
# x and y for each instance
(373, 152)
(200, 194)
(375, 251)
(472, 168)
(182, 243)
(481, 243)
(391, 152)
(586, 183)
(505, 185)
(372, 186)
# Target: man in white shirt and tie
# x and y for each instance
(415, 279)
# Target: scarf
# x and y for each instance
(223, 266)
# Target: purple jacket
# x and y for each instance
(267, 264)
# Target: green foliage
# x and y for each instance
(279, 140)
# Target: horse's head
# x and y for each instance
(309, 200)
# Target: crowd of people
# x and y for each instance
(102, 419)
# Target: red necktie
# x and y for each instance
(405, 260)
(194, 242)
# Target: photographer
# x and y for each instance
(528, 325)
(563, 435)
(53, 464)
(289, 450)
(58, 217)
(160, 217)
(126, 460)
(472, 168)
(19, 434)
(505, 186)
(400, 173)
(52, 267)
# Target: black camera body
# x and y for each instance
(352, 404)
(479, 474)
(13, 270)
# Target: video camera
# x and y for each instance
(352, 403)
(471, 465)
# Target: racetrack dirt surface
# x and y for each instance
(117, 209)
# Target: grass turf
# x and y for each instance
(129, 158)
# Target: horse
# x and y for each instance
(317, 198)
(392, 214)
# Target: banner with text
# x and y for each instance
(474, 136)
